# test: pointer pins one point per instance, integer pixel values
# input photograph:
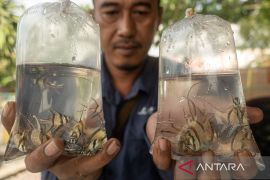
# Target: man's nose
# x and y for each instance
(126, 26)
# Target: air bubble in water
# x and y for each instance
(221, 50)
(182, 99)
(170, 48)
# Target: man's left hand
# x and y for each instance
(162, 153)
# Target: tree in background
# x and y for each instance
(256, 27)
(252, 16)
(230, 10)
(256, 31)
(8, 23)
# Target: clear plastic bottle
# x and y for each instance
(58, 91)
(201, 104)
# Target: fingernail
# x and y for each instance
(51, 149)
(208, 157)
(245, 158)
(113, 148)
(7, 109)
(255, 114)
(162, 145)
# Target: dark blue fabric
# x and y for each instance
(134, 160)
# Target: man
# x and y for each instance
(128, 74)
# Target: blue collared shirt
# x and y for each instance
(134, 160)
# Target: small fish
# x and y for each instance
(242, 139)
(59, 122)
(76, 132)
(20, 140)
(43, 82)
(96, 142)
(237, 112)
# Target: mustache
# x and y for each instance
(129, 43)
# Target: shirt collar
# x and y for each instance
(142, 83)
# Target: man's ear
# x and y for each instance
(92, 13)
(160, 14)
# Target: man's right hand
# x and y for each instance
(49, 156)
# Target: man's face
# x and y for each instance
(127, 30)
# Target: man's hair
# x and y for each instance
(157, 0)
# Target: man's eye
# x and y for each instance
(111, 13)
(110, 16)
(139, 12)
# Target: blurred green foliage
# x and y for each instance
(256, 27)
(8, 24)
(253, 16)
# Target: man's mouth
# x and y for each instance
(127, 48)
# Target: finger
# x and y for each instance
(44, 156)
(254, 114)
(85, 165)
(185, 168)
(8, 115)
(151, 127)
(111, 149)
(208, 157)
(162, 154)
(94, 175)
(248, 169)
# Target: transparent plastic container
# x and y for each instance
(201, 104)
(58, 91)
